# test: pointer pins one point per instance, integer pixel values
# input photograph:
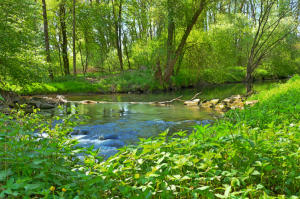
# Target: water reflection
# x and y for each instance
(112, 125)
(207, 92)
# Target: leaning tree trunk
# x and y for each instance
(171, 63)
(62, 16)
(46, 37)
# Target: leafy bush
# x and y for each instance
(37, 157)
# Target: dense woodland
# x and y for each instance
(171, 43)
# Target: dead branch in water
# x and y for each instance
(170, 101)
(196, 95)
(155, 102)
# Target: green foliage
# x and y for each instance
(128, 81)
(251, 153)
(69, 86)
(216, 50)
(1, 98)
(21, 60)
(37, 155)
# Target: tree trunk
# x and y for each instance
(58, 46)
(74, 38)
(46, 36)
(242, 6)
(171, 32)
(62, 15)
(118, 32)
(86, 54)
(151, 30)
(249, 79)
(60, 64)
(171, 63)
(126, 51)
(81, 58)
(235, 6)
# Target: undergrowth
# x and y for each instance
(127, 81)
(251, 153)
(131, 81)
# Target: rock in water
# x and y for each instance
(251, 103)
(194, 102)
(221, 106)
(207, 104)
(214, 101)
(61, 99)
(228, 101)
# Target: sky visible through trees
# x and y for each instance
(180, 42)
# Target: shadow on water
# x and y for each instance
(114, 125)
(207, 92)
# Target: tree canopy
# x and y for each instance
(180, 42)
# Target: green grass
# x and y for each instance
(70, 86)
(132, 81)
(129, 81)
(251, 153)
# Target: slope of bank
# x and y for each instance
(249, 153)
(134, 81)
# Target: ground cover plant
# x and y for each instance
(127, 81)
(251, 153)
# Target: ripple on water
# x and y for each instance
(110, 137)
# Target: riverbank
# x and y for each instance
(133, 81)
(249, 153)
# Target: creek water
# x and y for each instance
(121, 122)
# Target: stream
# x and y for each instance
(121, 122)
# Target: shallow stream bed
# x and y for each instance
(121, 122)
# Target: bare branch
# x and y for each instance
(196, 95)
(169, 101)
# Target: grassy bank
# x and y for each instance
(251, 153)
(129, 81)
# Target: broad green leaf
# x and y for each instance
(5, 173)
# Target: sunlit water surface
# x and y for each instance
(120, 122)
